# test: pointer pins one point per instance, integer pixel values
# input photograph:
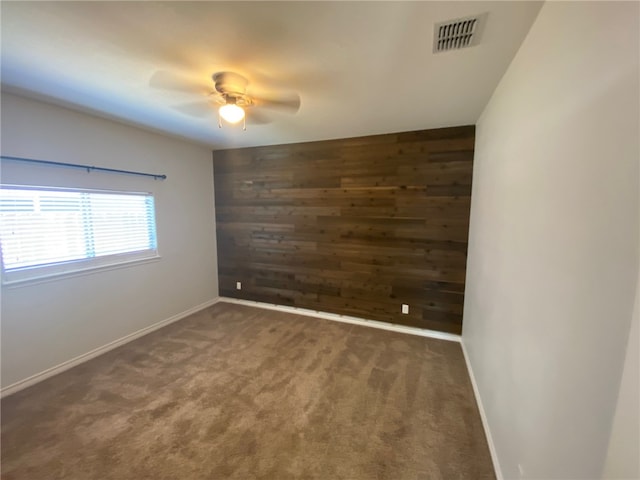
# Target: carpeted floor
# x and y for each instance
(236, 392)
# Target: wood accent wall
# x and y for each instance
(356, 226)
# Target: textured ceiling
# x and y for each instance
(360, 68)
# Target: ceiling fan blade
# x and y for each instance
(257, 118)
(179, 83)
(289, 103)
(197, 109)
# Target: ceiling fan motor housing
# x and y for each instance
(230, 83)
(232, 87)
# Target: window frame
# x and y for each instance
(88, 265)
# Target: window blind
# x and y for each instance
(48, 230)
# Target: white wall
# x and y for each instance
(49, 323)
(553, 243)
(623, 457)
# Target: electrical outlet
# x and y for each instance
(405, 308)
(238, 285)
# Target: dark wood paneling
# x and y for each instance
(355, 226)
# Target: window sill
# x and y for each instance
(52, 277)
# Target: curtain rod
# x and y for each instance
(88, 168)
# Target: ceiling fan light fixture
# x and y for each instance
(231, 112)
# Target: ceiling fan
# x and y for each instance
(230, 93)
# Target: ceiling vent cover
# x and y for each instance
(457, 34)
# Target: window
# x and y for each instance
(50, 231)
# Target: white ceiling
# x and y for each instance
(360, 68)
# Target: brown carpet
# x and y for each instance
(245, 393)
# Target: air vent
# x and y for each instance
(457, 34)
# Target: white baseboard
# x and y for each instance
(50, 372)
(483, 416)
(347, 319)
